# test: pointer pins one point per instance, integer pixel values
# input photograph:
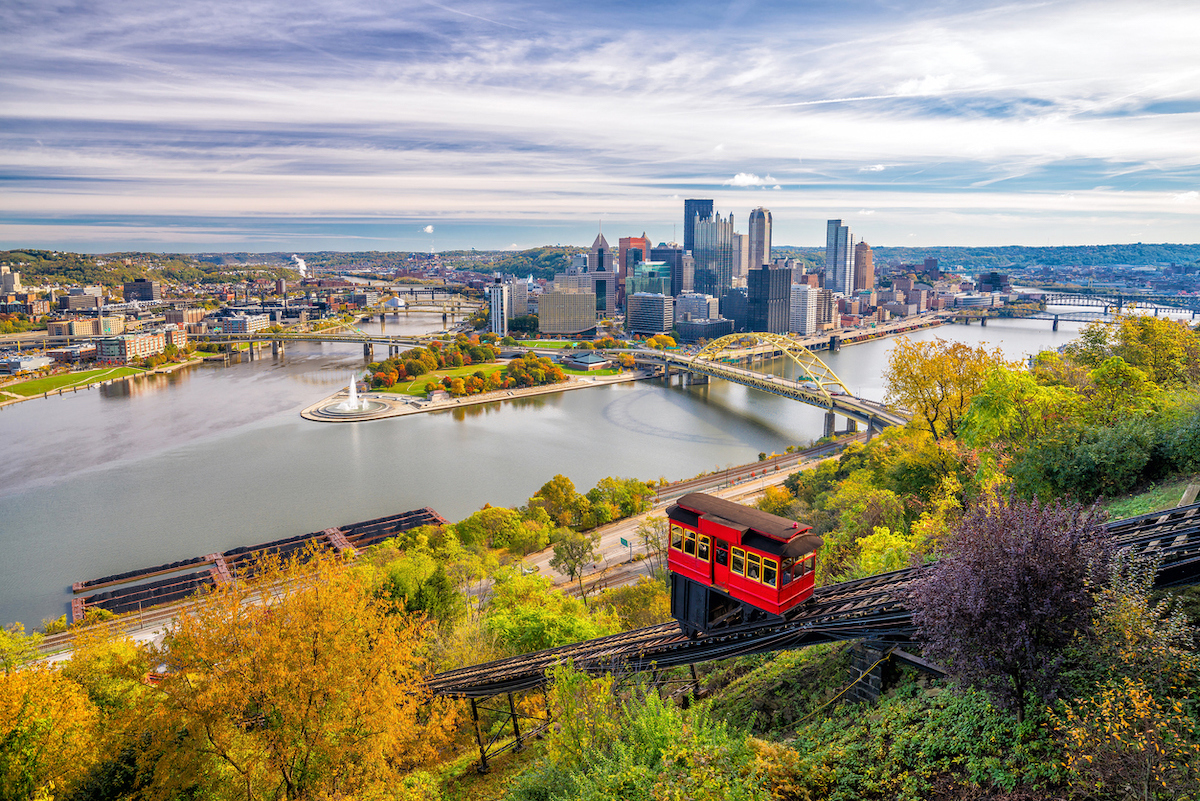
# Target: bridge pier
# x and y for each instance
(368, 352)
(983, 322)
(867, 663)
(276, 348)
(1055, 326)
(829, 423)
(697, 378)
(835, 344)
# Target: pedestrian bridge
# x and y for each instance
(815, 385)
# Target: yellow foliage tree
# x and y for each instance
(936, 381)
(297, 685)
(47, 733)
(1122, 743)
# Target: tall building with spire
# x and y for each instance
(713, 253)
(603, 276)
(839, 258)
(864, 267)
(693, 209)
(760, 237)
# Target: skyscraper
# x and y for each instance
(760, 237)
(804, 310)
(768, 299)
(604, 278)
(498, 307)
(672, 254)
(713, 251)
(864, 267)
(839, 257)
(692, 209)
(630, 251)
(741, 255)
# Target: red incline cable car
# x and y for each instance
(735, 564)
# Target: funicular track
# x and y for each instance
(873, 608)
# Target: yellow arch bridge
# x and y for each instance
(815, 383)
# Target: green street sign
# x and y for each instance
(625, 542)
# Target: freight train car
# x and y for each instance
(734, 564)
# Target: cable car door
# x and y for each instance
(720, 564)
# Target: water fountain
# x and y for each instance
(352, 407)
(352, 403)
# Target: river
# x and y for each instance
(161, 468)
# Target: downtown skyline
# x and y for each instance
(265, 126)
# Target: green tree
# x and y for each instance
(572, 555)
(937, 380)
(17, 647)
(560, 499)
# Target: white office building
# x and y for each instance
(803, 317)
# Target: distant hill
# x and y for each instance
(999, 257)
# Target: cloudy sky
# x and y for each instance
(388, 124)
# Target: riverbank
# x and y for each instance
(402, 405)
(8, 398)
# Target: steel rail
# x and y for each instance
(874, 608)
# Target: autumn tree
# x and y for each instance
(48, 733)
(299, 684)
(559, 498)
(573, 553)
(1009, 594)
(936, 380)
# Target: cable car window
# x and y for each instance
(689, 543)
(770, 571)
(722, 555)
(739, 562)
(702, 549)
(785, 574)
(753, 566)
(676, 537)
(810, 564)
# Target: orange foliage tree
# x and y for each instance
(298, 684)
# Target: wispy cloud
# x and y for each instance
(507, 112)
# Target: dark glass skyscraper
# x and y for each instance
(839, 257)
(692, 208)
(768, 300)
(672, 254)
(760, 237)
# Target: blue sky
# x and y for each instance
(304, 125)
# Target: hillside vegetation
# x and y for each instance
(1069, 676)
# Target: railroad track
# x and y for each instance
(874, 608)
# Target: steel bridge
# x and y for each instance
(816, 385)
(1119, 300)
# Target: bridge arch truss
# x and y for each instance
(811, 369)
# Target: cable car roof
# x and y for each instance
(747, 519)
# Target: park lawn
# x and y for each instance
(545, 343)
(416, 386)
(54, 382)
(610, 371)
(1156, 498)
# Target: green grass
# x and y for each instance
(612, 371)
(416, 387)
(545, 343)
(54, 382)
(1153, 499)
